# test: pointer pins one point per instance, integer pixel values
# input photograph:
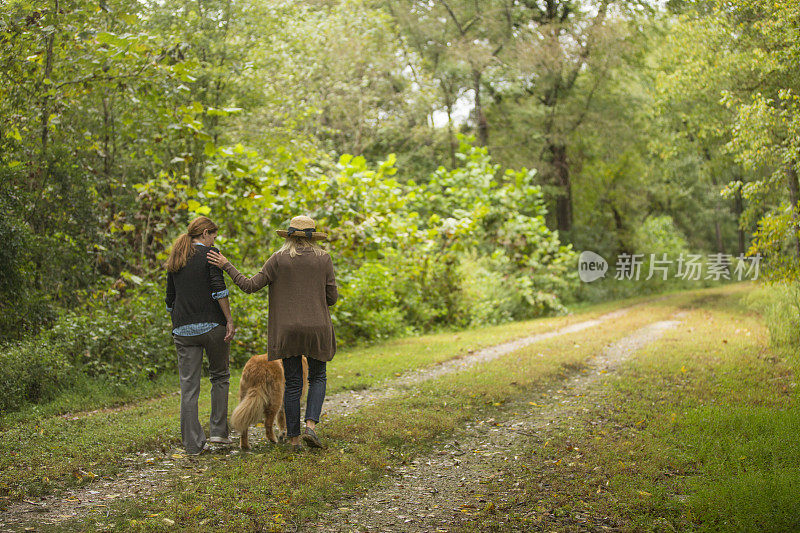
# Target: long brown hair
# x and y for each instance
(182, 248)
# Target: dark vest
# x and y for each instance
(193, 285)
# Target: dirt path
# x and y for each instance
(438, 491)
(148, 473)
(347, 402)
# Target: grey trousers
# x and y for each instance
(190, 364)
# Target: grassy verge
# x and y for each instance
(86, 394)
(269, 489)
(697, 433)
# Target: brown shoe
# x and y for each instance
(311, 439)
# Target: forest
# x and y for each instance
(461, 153)
(562, 279)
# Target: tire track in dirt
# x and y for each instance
(347, 402)
(145, 474)
(431, 493)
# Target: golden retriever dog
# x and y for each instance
(261, 397)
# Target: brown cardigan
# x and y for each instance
(300, 290)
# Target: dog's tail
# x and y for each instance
(250, 410)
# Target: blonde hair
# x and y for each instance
(293, 243)
(182, 248)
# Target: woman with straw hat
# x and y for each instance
(301, 287)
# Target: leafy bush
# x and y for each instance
(111, 338)
(488, 297)
(127, 339)
(32, 371)
(23, 305)
(368, 307)
(427, 285)
(659, 234)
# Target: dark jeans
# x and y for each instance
(317, 379)
(190, 362)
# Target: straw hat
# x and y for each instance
(303, 226)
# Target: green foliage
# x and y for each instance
(21, 308)
(738, 91)
(501, 215)
(34, 371)
(127, 339)
(117, 339)
(488, 294)
(122, 122)
(659, 234)
(44, 261)
(369, 306)
(780, 305)
(417, 232)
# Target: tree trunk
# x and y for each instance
(738, 207)
(718, 231)
(794, 196)
(717, 210)
(448, 102)
(619, 224)
(558, 154)
(480, 118)
(48, 72)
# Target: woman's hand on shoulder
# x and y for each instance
(217, 259)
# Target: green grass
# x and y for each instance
(89, 394)
(39, 451)
(697, 433)
(656, 425)
(269, 488)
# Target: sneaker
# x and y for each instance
(296, 448)
(220, 440)
(311, 439)
(200, 452)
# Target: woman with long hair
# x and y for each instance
(301, 287)
(197, 300)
